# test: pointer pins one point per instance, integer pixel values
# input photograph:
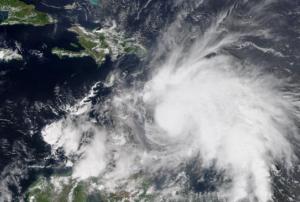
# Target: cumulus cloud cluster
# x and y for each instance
(8, 55)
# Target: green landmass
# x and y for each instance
(100, 43)
(137, 188)
(55, 190)
(93, 47)
(63, 53)
(19, 12)
(63, 189)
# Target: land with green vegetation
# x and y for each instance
(99, 43)
(18, 12)
(62, 189)
(63, 53)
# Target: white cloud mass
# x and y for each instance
(201, 103)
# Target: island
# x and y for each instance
(62, 53)
(99, 43)
(13, 12)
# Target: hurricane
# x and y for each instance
(199, 103)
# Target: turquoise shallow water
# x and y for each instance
(94, 2)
